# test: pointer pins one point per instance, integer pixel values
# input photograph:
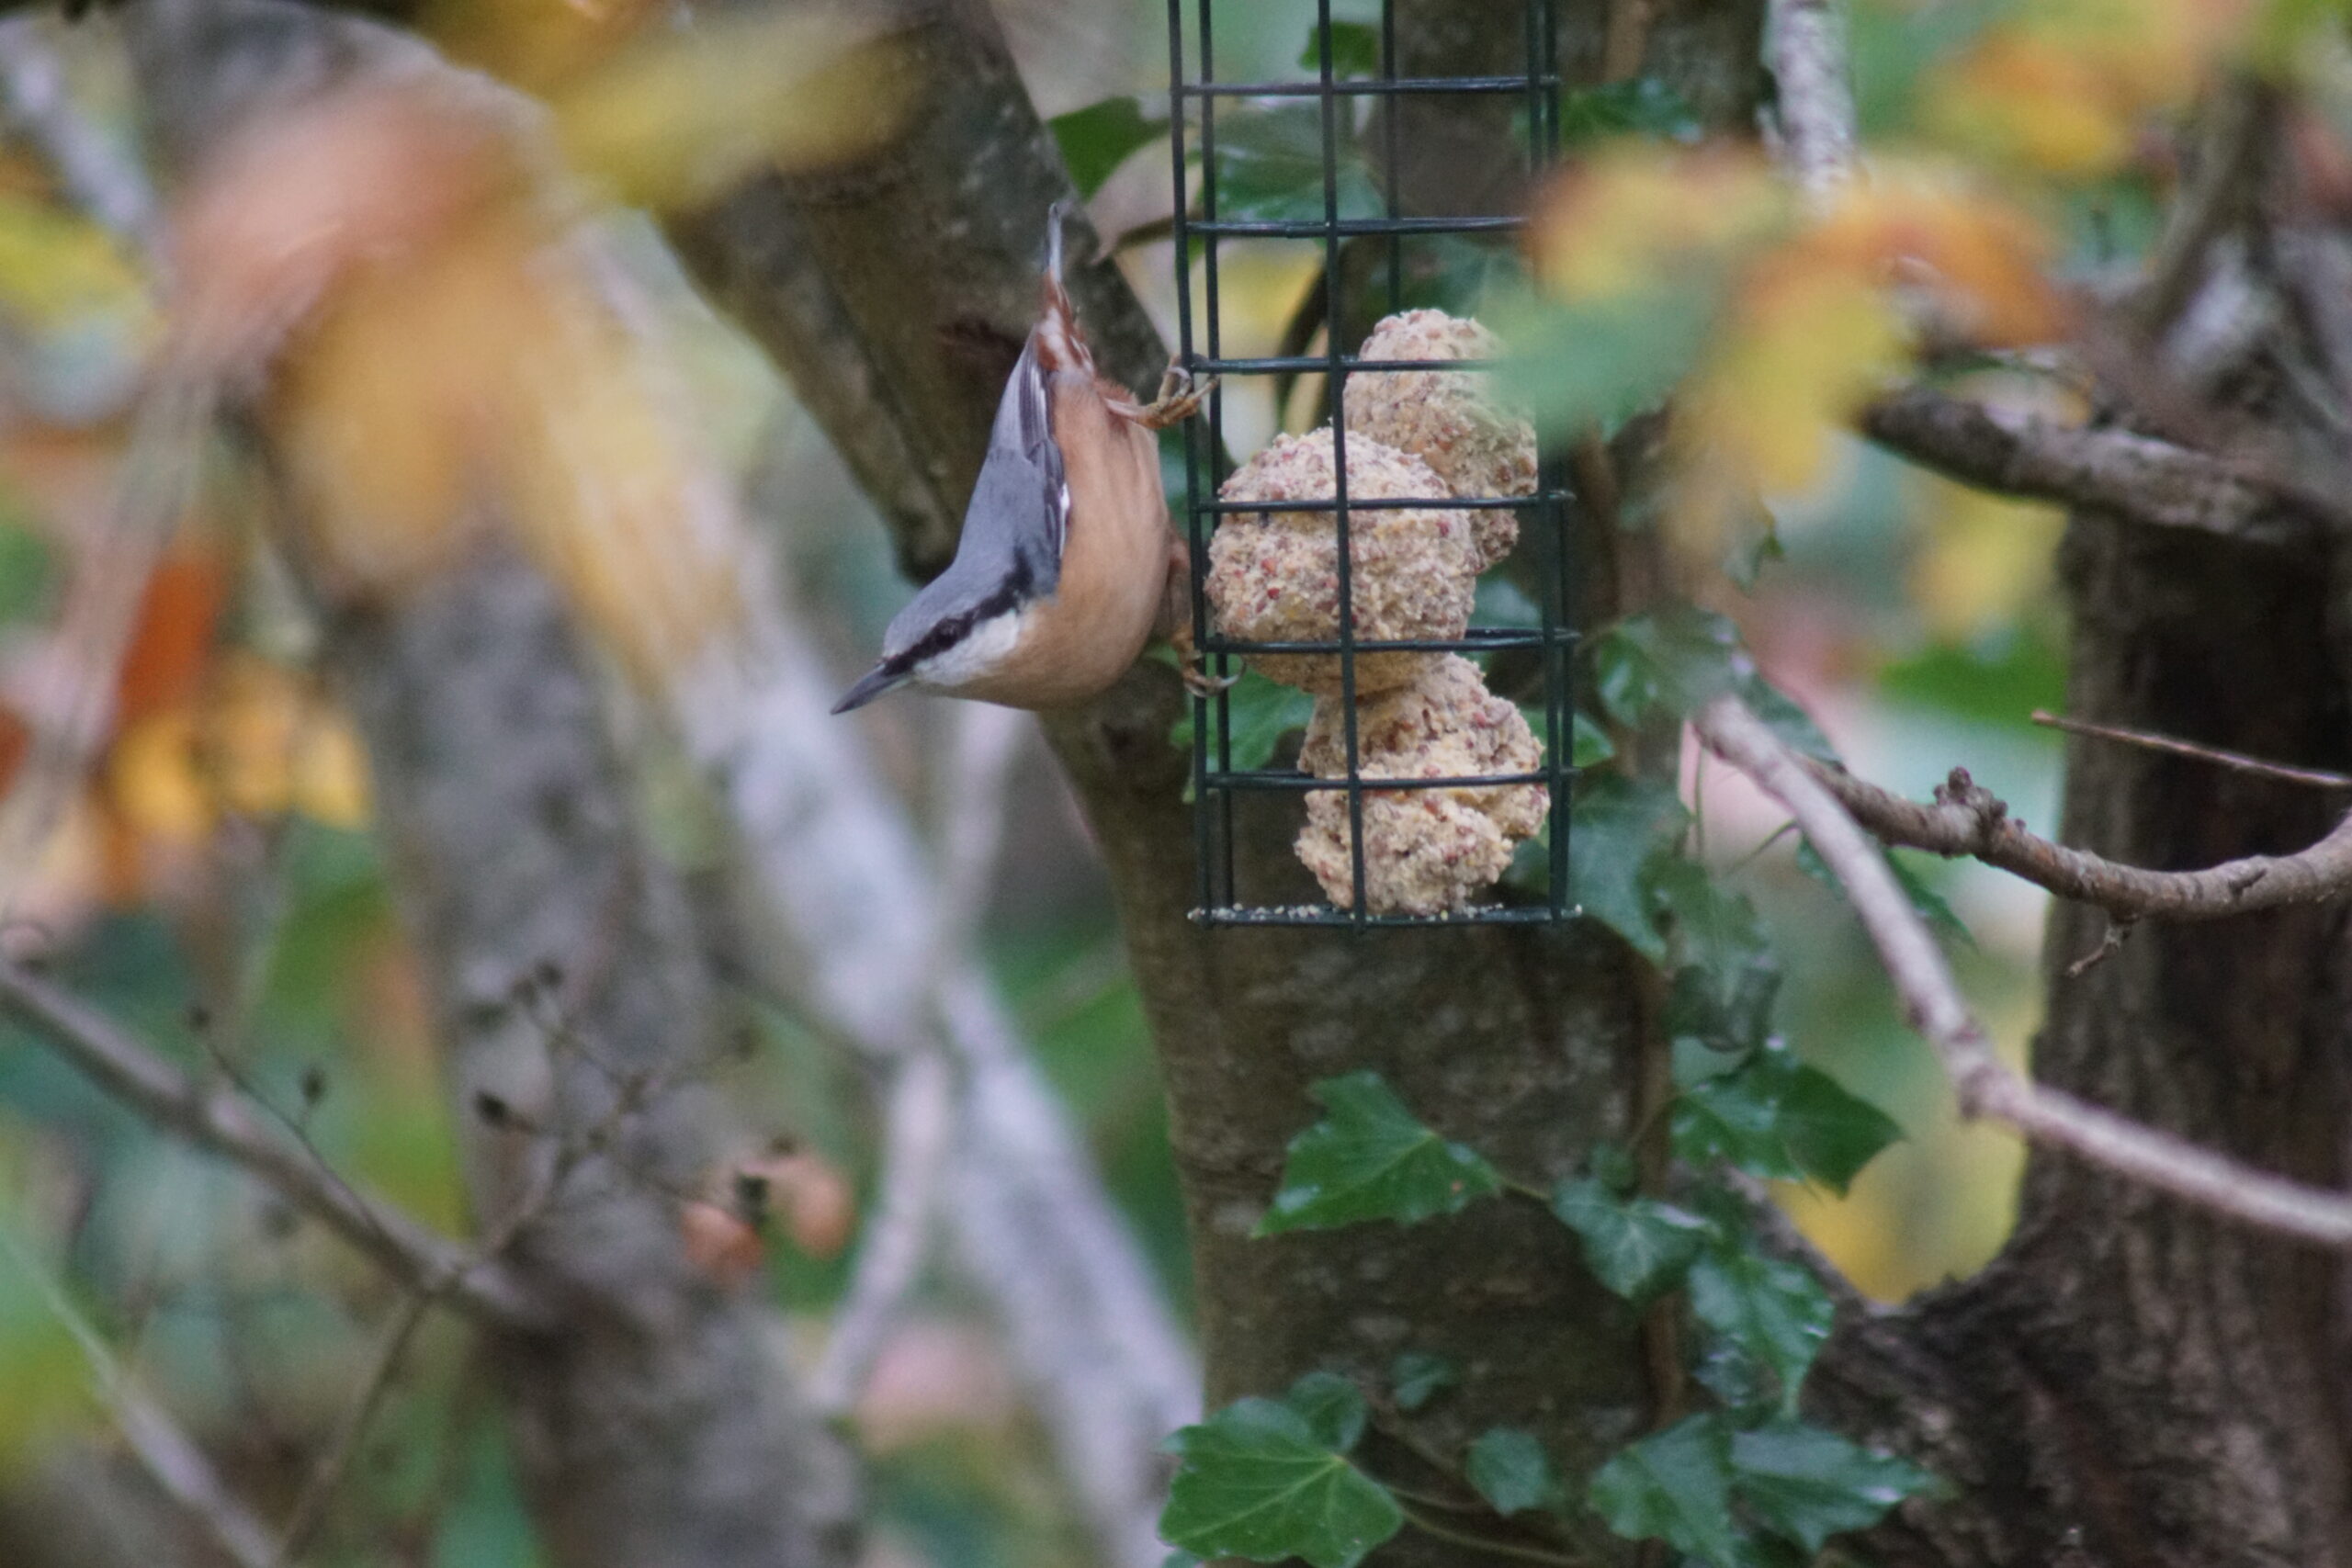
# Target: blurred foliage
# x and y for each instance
(218, 851)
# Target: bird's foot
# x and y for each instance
(1180, 398)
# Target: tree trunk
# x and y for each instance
(2131, 1382)
(659, 1423)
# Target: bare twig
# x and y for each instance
(2321, 777)
(169, 1455)
(2113, 470)
(1805, 46)
(223, 1123)
(326, 1477)
(1968, 819)
(1985, 1087)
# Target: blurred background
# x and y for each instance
(203, 867)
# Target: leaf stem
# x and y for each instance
(1499, 1547)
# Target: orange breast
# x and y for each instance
(1075, 643)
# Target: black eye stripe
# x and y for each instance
(955, 628)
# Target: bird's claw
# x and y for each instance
(1180, 398)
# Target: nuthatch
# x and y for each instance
(1068, 564)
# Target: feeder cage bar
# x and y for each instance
(1349, 109)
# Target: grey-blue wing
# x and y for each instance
(1011, 551)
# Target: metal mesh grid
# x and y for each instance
(1217, 784)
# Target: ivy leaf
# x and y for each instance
(1251, 1481)
(1735, 1118)
(1618, 825)
(1780, 714)
(1099, 137)
(1270, 167)
(1720, 933)
(1809, 1485)
(1668, 662)
(1589, 744)
(1369, 1159)
(1259, 713)
(1511, 1471)
(1332, 1407)
(1772, 1311)
(1664, 663)
(1926, 900)
(1776, 1118)
(1674, 1486)
(1637, 1246)
(1829, 1132)
(1418, 1376)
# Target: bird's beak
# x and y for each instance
(877, 681)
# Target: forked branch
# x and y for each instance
(1986, 1087)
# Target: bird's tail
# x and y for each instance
(1056, 216)
(1057, 339)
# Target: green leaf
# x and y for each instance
(1784, 718)
(1676, 1487)
(1721, 936)
(1251, 1481)
(1418, 1376)
(1099, 137)
(1332, 1407)
(1259, 713)
(1369, 1159)
(1270, 167)
(1775, 1117)
(1637, 1246)
(1772, 1311)
(1355, 50)
(1642, 107)
(1511, 1471)
(1589, 744)
(1745, 564)
(1617, 827)
(1830, 1132)
(1602, 361)
(1734, 1118)
(28, 574)
(1809, 1485)
(1926, 900)
(1665, 663)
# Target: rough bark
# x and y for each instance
(2131, 1382)
(1527, 1039)
(659, 1423)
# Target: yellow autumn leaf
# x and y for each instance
(259, 741)
(1635, 216)
(1803, 351)
(55, 266)
(1936, 233)
(681, 118)
(2064, 86)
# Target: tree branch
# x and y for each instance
(2108, 471)
(1805, 47)
(169, 1455)
(1968, 819)
(1987, 1088)
(108, 1055)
